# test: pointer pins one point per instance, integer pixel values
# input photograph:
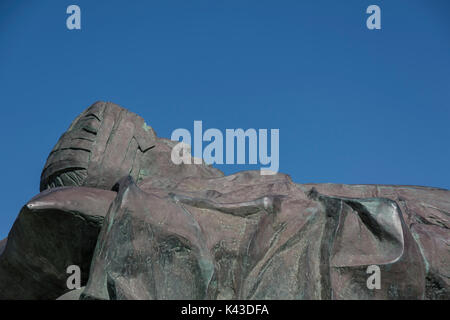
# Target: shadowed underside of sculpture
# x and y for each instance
(141, 227)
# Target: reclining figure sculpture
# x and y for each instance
(141, 227)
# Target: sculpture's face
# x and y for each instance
(103, 144)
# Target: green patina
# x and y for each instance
(146, 127)
(143, 173)
(419, 244)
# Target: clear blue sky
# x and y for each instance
(352, 105)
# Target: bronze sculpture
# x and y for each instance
(141, 227)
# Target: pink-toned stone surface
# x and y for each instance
(247, 236)
(141, 227)
(55, 229)
(426, 212)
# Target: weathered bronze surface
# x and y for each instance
(141, 227)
